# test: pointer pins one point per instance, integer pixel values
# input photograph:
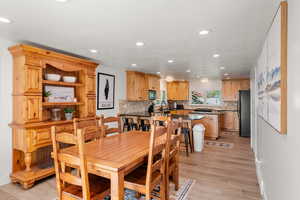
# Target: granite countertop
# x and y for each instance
(188, 117)
(208, 113)
(137, 114)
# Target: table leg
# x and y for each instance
(117, 185)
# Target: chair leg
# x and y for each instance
(162, 190)
(190, 142)
(176, 178)
(186, 144)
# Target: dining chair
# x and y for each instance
(144, 179)
(105, 125)
(69, 185)
(92, 125)
(172, 152)
(160, 120)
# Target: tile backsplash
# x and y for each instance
(133, 106)
(142, 106)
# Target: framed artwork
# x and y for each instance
(105, 91)
(60, 94)
(272, 74)
(206, 97)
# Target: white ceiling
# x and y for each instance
(169, 29)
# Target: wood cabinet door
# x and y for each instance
(153, 82)
(235, 89)
(236, 121)
(33, 109)
(91, 106)
(171, 90)
(41, 137)
(33, 79)
(144, 87)
(210, 122)
(137, 86)
(91, 84)
(227, 90)
(228, 120)
(182, 92)
(245, 84)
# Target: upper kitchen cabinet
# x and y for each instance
(178, 90)
(153, 82)
(231, 87)
(137, 86)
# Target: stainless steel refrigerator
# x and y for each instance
(244, 111)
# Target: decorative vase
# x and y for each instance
(46, 99)
(69, 116)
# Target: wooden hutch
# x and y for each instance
(32, 117)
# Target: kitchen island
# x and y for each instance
(210, 120)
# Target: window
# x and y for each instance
(210, 97)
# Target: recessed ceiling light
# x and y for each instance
(93, 50)
(158, 72)
(222, 68)
(170, 61)
(226, 74)
(61, 1)
(204, 80)
(204, 32)
(216, 55)
(169, 78)
(188, 71)
(133, 65)
(4, 20)
(139, 44)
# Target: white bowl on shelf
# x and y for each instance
(53, 77)
(69, 79)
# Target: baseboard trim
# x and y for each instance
(261, 184)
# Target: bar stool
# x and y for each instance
(185, 132)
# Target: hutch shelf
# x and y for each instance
(31, 123)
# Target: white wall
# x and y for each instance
(280, 154)
(212, 84)
(6, 111)
(120, 88)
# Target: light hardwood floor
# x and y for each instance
(220, 174)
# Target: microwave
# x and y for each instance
(152, 94)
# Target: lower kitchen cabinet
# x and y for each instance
(212, 126)
(230, 121)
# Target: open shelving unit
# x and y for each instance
(31, 125)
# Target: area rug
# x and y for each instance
(229, 133)
(6, 196)
(185, 185)
(225, 145)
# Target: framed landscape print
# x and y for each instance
(272, 74)
(105, 91)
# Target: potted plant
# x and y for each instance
(47, 94)
(69, 113)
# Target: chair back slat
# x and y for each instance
(160, 120)
(71, 179)
(157, 149)
(66, 138)
(62, 160)
(92, 126)
(68, 159)
(105, 127)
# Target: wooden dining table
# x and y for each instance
(115, 156)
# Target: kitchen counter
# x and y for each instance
(136, 114)
(207, 113)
